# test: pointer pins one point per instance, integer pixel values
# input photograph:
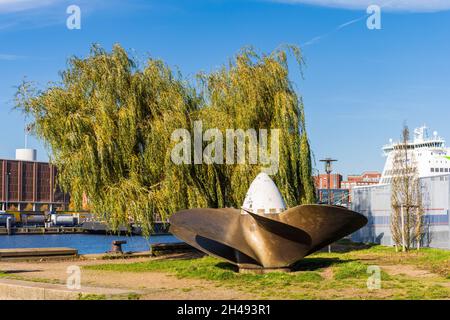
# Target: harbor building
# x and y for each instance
(340, 190)
(331, 184)
(365, 179)
(432, 160)
(30, 185)
(321, 181)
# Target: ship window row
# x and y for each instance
(432, 144)
(386, 180)
(394, 172)
(416, 146)
(440, 170)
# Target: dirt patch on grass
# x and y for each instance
(357, 294)
(408, 270)
(327, 274)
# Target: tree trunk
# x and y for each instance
(403, 229)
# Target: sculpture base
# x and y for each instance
(263, 270)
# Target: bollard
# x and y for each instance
(8, 225)
(117, 246)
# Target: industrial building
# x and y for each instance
(353, 180)
(365, 179)
(321, 181)
(375, 203)
(340, 191)
(30, 185)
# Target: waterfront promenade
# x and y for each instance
(341, 274)
(110, 285)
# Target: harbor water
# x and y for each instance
(84, 243)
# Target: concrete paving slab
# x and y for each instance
(11, 289)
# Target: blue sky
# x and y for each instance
(359, 85)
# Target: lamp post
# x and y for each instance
(328, 168)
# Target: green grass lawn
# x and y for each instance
(340, 275)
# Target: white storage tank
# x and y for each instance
(26, 154)
(4, 217)
(65, 220)
(32, 219)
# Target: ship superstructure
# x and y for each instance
(431, 159)
(429, 154)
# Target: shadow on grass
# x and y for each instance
(182, 255)
(227, 266)
(312, 264)
(344, 245)
(307, 264)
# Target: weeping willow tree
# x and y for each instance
(254, 92)
(108, 126)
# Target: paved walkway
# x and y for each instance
(148, 285)
(11, 289)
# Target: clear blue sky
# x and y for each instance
(360, 85)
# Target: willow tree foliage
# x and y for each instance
(108, 126)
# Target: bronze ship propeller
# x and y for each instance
(263, 235)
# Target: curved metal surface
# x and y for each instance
(324, 223)
(267, 240)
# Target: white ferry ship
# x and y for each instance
(432, 159)
(431, 156)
